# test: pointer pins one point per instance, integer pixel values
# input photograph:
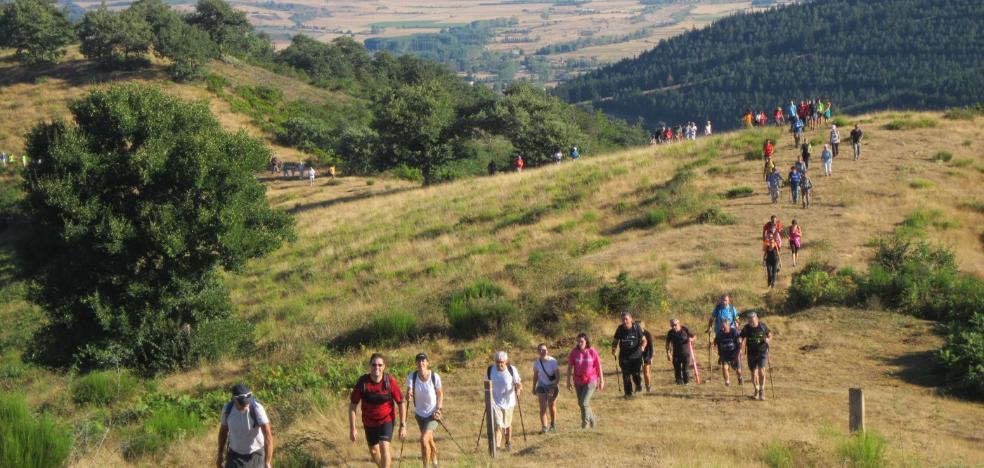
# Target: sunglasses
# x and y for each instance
(243, 398)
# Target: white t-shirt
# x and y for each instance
(542, 367)
(245, 437)
(424, 393)
(503, 395)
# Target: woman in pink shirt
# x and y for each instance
(584, 374)
(795, 239)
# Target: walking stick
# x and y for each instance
(709, 344)
(403, 442)
(618, 376)
(772, 384)
(519, 403)
(480, 426)
(694, 356)
(451, 436)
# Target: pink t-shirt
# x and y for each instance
(587, 365)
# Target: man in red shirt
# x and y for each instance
(381, 401)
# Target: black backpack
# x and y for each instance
(512, 372)
(413, 384)
(380, 397)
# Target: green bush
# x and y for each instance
(943, 156)
(908, 123)
(471, 318)
(864, 450)
(676, 200)
(27, 441)
(753, 155)
(738, 192)
(716, 216)
(165, 425)
(840, 121)
(921, 184)
(819, 284)
(405, 172)
(655, 217)
(104, 387)
(964, 113)
(215, 339)
(778, 455)
(963, 356)
(386, 329)
(632, 295)
(294, 457)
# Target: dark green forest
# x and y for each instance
(863, 54)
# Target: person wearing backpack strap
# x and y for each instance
(806, 190)
(727, 341)
(678, 346)
(382, 404)
(546, 378)
(245, 439)
(424, 389)
(630, 343)
(506, 389)
(647, 358)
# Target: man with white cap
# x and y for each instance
(506, 388)
(245, 440)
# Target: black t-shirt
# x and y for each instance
(648, 353)
(727, 343)
(856, 135)
(680, 340)
(772, 256)
(629, 342)
(755, 339)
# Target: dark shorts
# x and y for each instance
(375, 435)
(732, 361)
(426, 424)
(551, 391)
(758, 362)
(256, 459)
(647, 360)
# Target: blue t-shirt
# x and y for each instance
(794, 178)
(775, 180)
(721, 314)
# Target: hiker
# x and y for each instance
(768, 148)
(794, 183)
(777, 117)
(797, 129)
(827, 111)
(647, 358)
(245, 439)
(546, 376)
(425, 391)
(835, 139)
(767, 168)
(729, 351)
(773, 222)
(518, 163)
(558, 157)
(506, 388)
(827, 158)
(678, 344)
(756, 337)
(805, 149)
(24, 160)
(4, 158)
(492, 167)
(795, 239)
(382, 404)
(746, 118)
(630, 343)
(310, 175)
(774, 181)
(707, 128)
(724, 311)
(856, 136)
(585, 376)
(772, 260)
(799, 165)
(575, 153)
(806, 190)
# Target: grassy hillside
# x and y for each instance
(369, 249)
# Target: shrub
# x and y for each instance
(818, 284)
(215, 339)
(964, 113)
(907, 123)
(753, 155)
(165, 425)
(471, 318)
(921, 184)
(104, 387)
(778, 455)
(677, 199)
(27, 441)
(864, 450)
(738, 192)
(408, 173)
(840, 121)
(963, 356)
(386, 329)
(716, 216)
(943, 156)
(295, 457)
(655, 217)
(632, 295)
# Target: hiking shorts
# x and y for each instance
(375, 435)
(647, 360)
(427, 423)
(731, 361)
(256, 459)
(758, 362)
(551, 391)
(503, 417)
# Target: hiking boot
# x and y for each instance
(741, 381)
(679, 382)
(543, 430)
(727, 383)
(553, 428)
(508, 447)
(761, 396)
(594, 421)
(649, 389)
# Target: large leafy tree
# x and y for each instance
(113, 39)
(230, 30)
(536, 123)
(133, 209)
(416, 127)
(36, 29)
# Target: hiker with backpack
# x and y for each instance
(647, 358)
(805, 149)
(806, 190)
(679, 342)
(558, 157)
(424, 389)
(755, 337)
(794, 183)
(727, 341)
(774, 181)
(575, 153)
(311, 174)
(382, 405)
(768, 148)
(796, 127)
(507, 386)
(630, 343)
(245, 439)
(546, 376)
(827, 158)
(795, 239)
(585, 376)
(771, 259)
(835, 139)
(856, 136)
(724, 311)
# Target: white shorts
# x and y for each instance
(503, 417)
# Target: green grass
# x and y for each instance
(778, 455)
(864, 450)
(104, 387)
(908, 123)
(739, 192)
(964, 113)
(920, 220)
(716, 216)
(165, 425)
(28, 441)
(943, 156)
(963, 162)
(921, 184)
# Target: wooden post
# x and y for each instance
(490, 424)
(856, 404)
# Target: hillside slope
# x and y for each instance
(862, 55)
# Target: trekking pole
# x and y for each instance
(519, 403)
(450, 435)
(709, 343)
(480, 426)
(694, 357)
(618, 376)
(772, 384)
(403, 442)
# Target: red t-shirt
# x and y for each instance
(376, 414)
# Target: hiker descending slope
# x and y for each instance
(772, 260)
(630, 343)
(647, 358)
(382, 406)
(755, 337)
(424, 389)
(678, 346)
(585, 376)
(724, 311)
(546, 378)
(729, 351)
(506, 389)
(795, 239)
(245, 439)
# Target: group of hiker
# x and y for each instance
(772, 246)
(667, 134)
(10, 159)
(811, 113)
(518, 163)
(301, 169)
(799, 182)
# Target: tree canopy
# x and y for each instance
(133, 208)
(36, 29)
